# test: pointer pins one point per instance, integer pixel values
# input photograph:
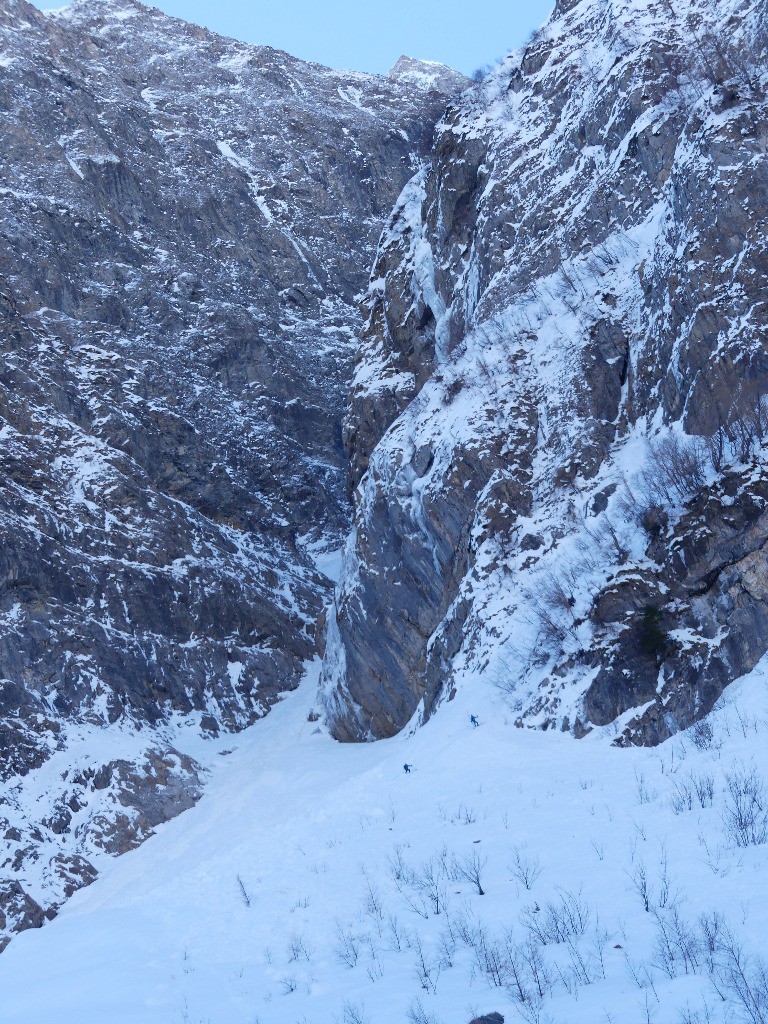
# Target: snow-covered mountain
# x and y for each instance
(186, 223)
(555, 453)
(559, 406)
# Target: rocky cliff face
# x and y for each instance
(185, 223)
(559, 407)
(557, 426)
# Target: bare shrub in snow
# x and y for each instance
(415, 901)
(446, 948)
(702, 734)
(245, 896)
(718, 447)
(430, 883)
(599, 849)
(481, 73)
(647, 1007)
(398, 868)
(586, 965)
(676, 468)
(722, 59)
(742, 426)
(750, 428)
(691, 790)
(638, 972)
(374, 968)
(747, 722)
(711, 928)
(416, 1014)
(518, 967)
(738, 978)
(666, 897)
(704, 788)
(427, 969)
(298, 949)
(714, 856)
(289, 984)
(644, 794)
(374, 905)
(522, 987)
(425, 890)
(491, 956)
(558, 921)
(553, 605)
(608, 540)
(398, 938)
(348, 946)
(745, 814)
(470, 869)
(525, 869)
(463, 815)
(354, 1014)
(682, 797)
(678, 946)
(540, 974)
(689, 1016)
(463, 928)
(642, 885)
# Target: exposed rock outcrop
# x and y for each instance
(569, 294)
(693, 621)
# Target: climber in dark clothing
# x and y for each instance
(474, 721)
(407, 768)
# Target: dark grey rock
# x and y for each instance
(708, 579)
(18, 911)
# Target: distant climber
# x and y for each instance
(474, 721)
(407, 768)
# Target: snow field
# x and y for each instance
(317, 882)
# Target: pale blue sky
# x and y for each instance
(371, 36)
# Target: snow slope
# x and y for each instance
(276, 900)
